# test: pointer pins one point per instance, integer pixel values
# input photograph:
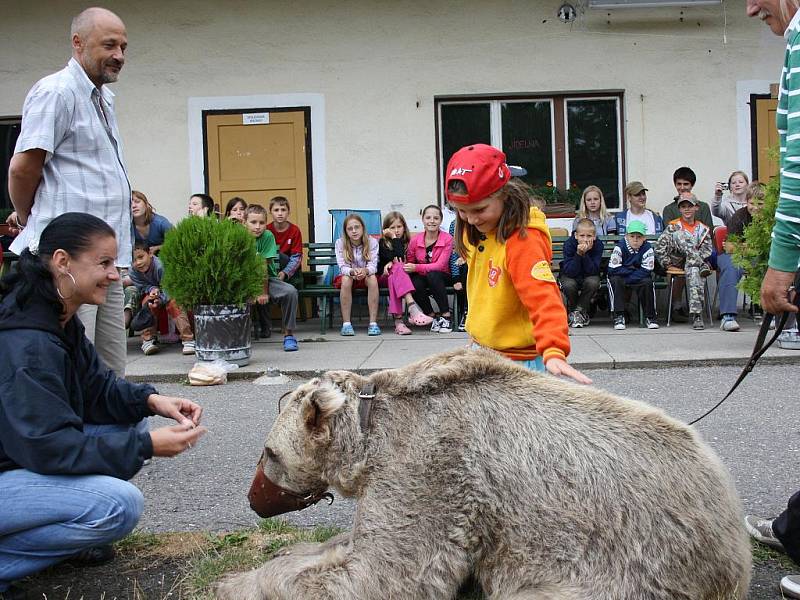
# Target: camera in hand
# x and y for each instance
(724, 185)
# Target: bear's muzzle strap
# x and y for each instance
(365, 397)
(268, 499)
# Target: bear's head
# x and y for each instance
(289, 475)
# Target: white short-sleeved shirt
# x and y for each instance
(646, 218)
(84, 171)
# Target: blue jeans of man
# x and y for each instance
(45, 519)
(729, 276)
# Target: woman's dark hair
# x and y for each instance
(435, 207)
(207, 202)
(72, 232)
(230, 205)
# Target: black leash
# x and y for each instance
(759, 348)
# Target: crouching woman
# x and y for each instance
(68, 442)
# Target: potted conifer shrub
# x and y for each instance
(211, 268)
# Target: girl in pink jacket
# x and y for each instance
(428, 265)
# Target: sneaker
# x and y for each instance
(789, 340)
(790, 586)
(373, 329)
(619, 322)
(289, 343)
(761, 531)
(435, 327)
(697, 322)
(462, 324)
(571, 318)
(347, 329)
(149, 347)
(651, 323)
(188, 347)
(729, 323)
(93, 557)
(445, 326)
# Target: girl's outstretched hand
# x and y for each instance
(558, 366)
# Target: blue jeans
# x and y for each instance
(45, 519)
(729, 276)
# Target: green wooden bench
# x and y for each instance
(8, 259)
(609, 241)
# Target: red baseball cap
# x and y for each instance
(482, 169)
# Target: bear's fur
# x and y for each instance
(474, 466)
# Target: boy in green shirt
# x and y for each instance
(284, 294)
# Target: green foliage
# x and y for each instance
(554, 195)
(207, 261)
(751, 251)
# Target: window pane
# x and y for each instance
(462, 125)
(9, 132)
(594, 146)
(528, 139)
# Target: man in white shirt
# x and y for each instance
(69, 158)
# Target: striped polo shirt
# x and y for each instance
(84, 171)
(785, 250)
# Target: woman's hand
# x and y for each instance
(460, 261)
(457, 286)
(387, 233)
(181, 410)
(718, 189)
(410, 267)
(172, 440)
(558, 366)
(775, 298)
(386, 268)
(262, 299)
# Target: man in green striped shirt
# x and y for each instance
(783, 18)
(784, 258)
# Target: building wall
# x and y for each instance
(377, 67)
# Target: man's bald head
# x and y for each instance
(84, 22)
(99, 41)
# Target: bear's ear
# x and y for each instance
(318, 406)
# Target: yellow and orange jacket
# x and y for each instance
(515, 305)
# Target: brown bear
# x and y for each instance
(468, 465)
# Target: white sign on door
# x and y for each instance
(255, 119)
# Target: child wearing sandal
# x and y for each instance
(391, 257)
(428, 264)
(357, 257)
(515, 304)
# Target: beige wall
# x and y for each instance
(371, 62)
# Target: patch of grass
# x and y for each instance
(764, 554)
(137, 541)
(243, 550)
(321, 533)
(276, 526)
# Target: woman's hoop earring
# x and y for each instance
(74, 286)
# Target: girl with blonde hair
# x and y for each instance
(357, 257)
(593, 207)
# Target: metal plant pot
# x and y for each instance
(222, 331)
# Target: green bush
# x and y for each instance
(752, 249)
(207, 261)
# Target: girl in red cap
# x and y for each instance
(515, 304)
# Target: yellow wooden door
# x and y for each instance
(258, 156)
(766, 138)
